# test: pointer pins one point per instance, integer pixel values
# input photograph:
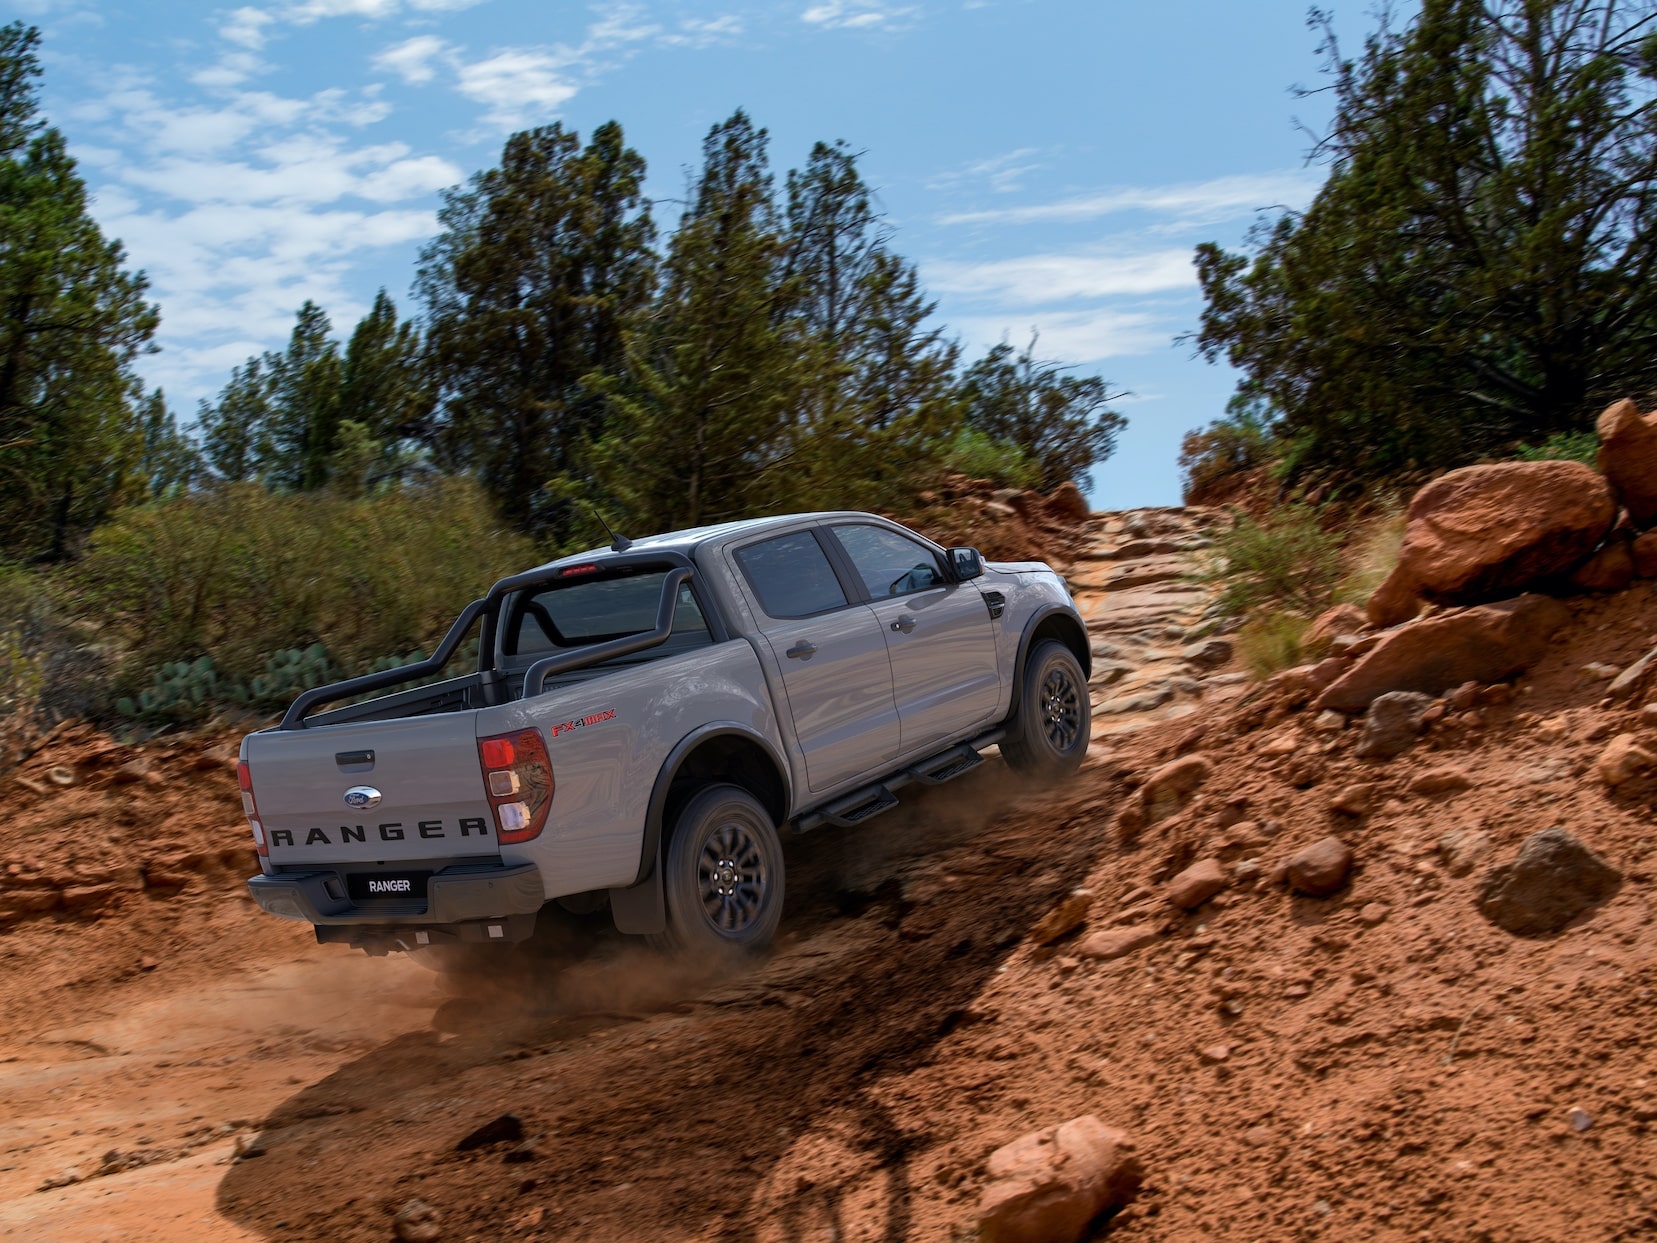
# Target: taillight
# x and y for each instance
(517, 775)
(244, 778)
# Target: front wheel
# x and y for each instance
(1049, 733)
(724, 878)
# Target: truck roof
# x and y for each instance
(690, 539)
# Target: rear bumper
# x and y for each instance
(453, 896)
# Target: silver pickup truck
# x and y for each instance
(641, 722)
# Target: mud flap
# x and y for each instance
(641, 909)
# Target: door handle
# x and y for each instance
(905, 623)
(803, 650)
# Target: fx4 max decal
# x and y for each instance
(609, 714)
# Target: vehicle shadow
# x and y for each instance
(664, 1100)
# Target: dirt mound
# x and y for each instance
(1382, 1063)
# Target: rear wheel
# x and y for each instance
(1050, 731)
(724, 873)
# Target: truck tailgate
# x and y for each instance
(416, 791)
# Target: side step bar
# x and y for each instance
(867, 803)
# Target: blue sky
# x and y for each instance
(1048, 164)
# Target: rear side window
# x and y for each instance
(592, 610)
(792, 576)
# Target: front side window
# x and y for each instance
(792, 576)
(888, 563)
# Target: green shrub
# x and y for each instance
(283, 591)
(978, 456)
(1271, 641)
(1563, 446)
(1288, 563)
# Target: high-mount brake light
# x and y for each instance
(570, 571)
(517, 775)
(244, 778)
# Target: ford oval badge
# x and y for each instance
(362, 797)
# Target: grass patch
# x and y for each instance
(1271, 642)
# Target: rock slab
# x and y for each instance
(1047, 1186)
(1554, 879)
(1483, 644)
(1485, 533)
(1392, 724)
(1197, 884)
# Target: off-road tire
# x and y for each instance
(1048, 733)
(723, 879)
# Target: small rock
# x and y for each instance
(68, 1178)
(506, 1129)
(1554, 879)
(1645, 1111)
(1196, 884)
(1170, 787)
(1282, 744)
(1392, 723)
(1355, 800)
(1257, 1136)
(1321, 868)
(1631, 678)
(146, 963)
(1439, 781)
(1245, 871)
(1117, 942)
(1604, 673)
(1374, 913)
(1214, 1052)
(246, 1147)
(1464, 849)
(1329, 721)
(1623, 760)
(61, 775)
(1209, 653)
(131, 772)
(1342, 621)
(417, 1222)
(1066, 917)
(1047, 1186)
(1580, 1120)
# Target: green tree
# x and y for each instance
(1062, 423)
(878, 382)
(385, 397)
(72, 319)
(168, 461)
(539, 264)
(306, 383)
(235, 430)
(1478, 268)
(702, 414)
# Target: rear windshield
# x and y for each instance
(595, 608)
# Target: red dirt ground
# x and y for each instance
(1384, 1064)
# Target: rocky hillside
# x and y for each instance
(1363, 952)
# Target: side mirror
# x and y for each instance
(966, 563)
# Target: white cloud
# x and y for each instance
(1034, 280)
(411, 60)
(1077, 337)
(857, 14)
(518, 86)
(373, 10)
(1003, 173)
(232, 69)
(246, 28)
(703, 32)
(1194, 203)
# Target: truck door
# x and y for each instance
(945, 675)
(836, 675)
